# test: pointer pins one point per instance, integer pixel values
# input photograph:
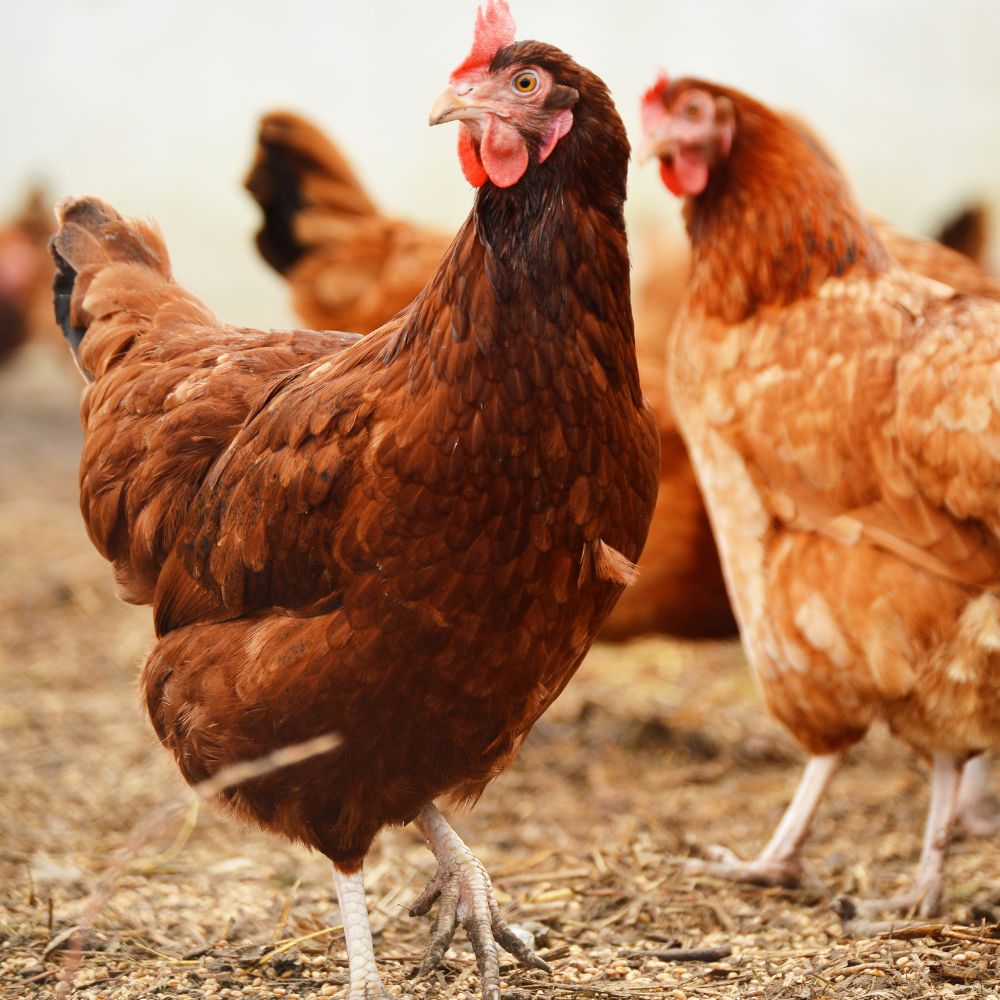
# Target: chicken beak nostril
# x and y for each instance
(442, 108)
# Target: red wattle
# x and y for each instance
(669, 178)
(686, 174)
(503, 153)
(469, 160)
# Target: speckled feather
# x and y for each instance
(412, 540)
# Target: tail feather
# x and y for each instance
(108, 269)
(298, 171)
(62, 298)
(967, 232)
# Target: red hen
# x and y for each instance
(409, 540)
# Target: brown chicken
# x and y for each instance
(838, 410)
(410, 539)
(25, 274)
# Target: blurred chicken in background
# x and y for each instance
(26, 275)
(349, 266)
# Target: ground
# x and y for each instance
(114, 883)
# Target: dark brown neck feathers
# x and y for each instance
(538, 277)
(775, 222)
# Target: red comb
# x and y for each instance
(494, 30)
(652, 100)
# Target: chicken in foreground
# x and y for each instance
(409, 540)
(838, 410)
(350, 267)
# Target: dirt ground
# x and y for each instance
(115, 884)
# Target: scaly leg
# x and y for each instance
(466, 895)
(780, 863)
(365, 982)
(928, 886)
(977, 807)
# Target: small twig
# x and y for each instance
(686, 954)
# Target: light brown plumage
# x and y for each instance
(840, 412)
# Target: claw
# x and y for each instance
(466, 896)
(788, 873)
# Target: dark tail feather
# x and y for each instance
(62, 295)
(967, 232)
(297, 169)
(91, 236)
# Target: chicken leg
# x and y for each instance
(924, 897)
(365, 981)
(466, 894)
(977, 813)
(780, 862)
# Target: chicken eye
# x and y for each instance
(692, 110)
(525, 83)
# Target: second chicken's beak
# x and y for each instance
(450, 107)
(654, 146)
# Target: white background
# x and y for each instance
(152, 104)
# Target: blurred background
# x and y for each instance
(153, 105)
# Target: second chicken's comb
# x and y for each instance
(494, 29)
(652, 108)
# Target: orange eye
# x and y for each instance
(691, 111)
(525, 83)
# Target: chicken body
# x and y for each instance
(838, 410)
(351, 267)
(409, 540)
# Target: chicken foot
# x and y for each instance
(466, 894)
(924, 898)
(977, 813)
(365, 981)
(780, 862)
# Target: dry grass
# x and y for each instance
(655, 749)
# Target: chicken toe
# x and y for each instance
(780, 862)
(464, 891)
(789, 872)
